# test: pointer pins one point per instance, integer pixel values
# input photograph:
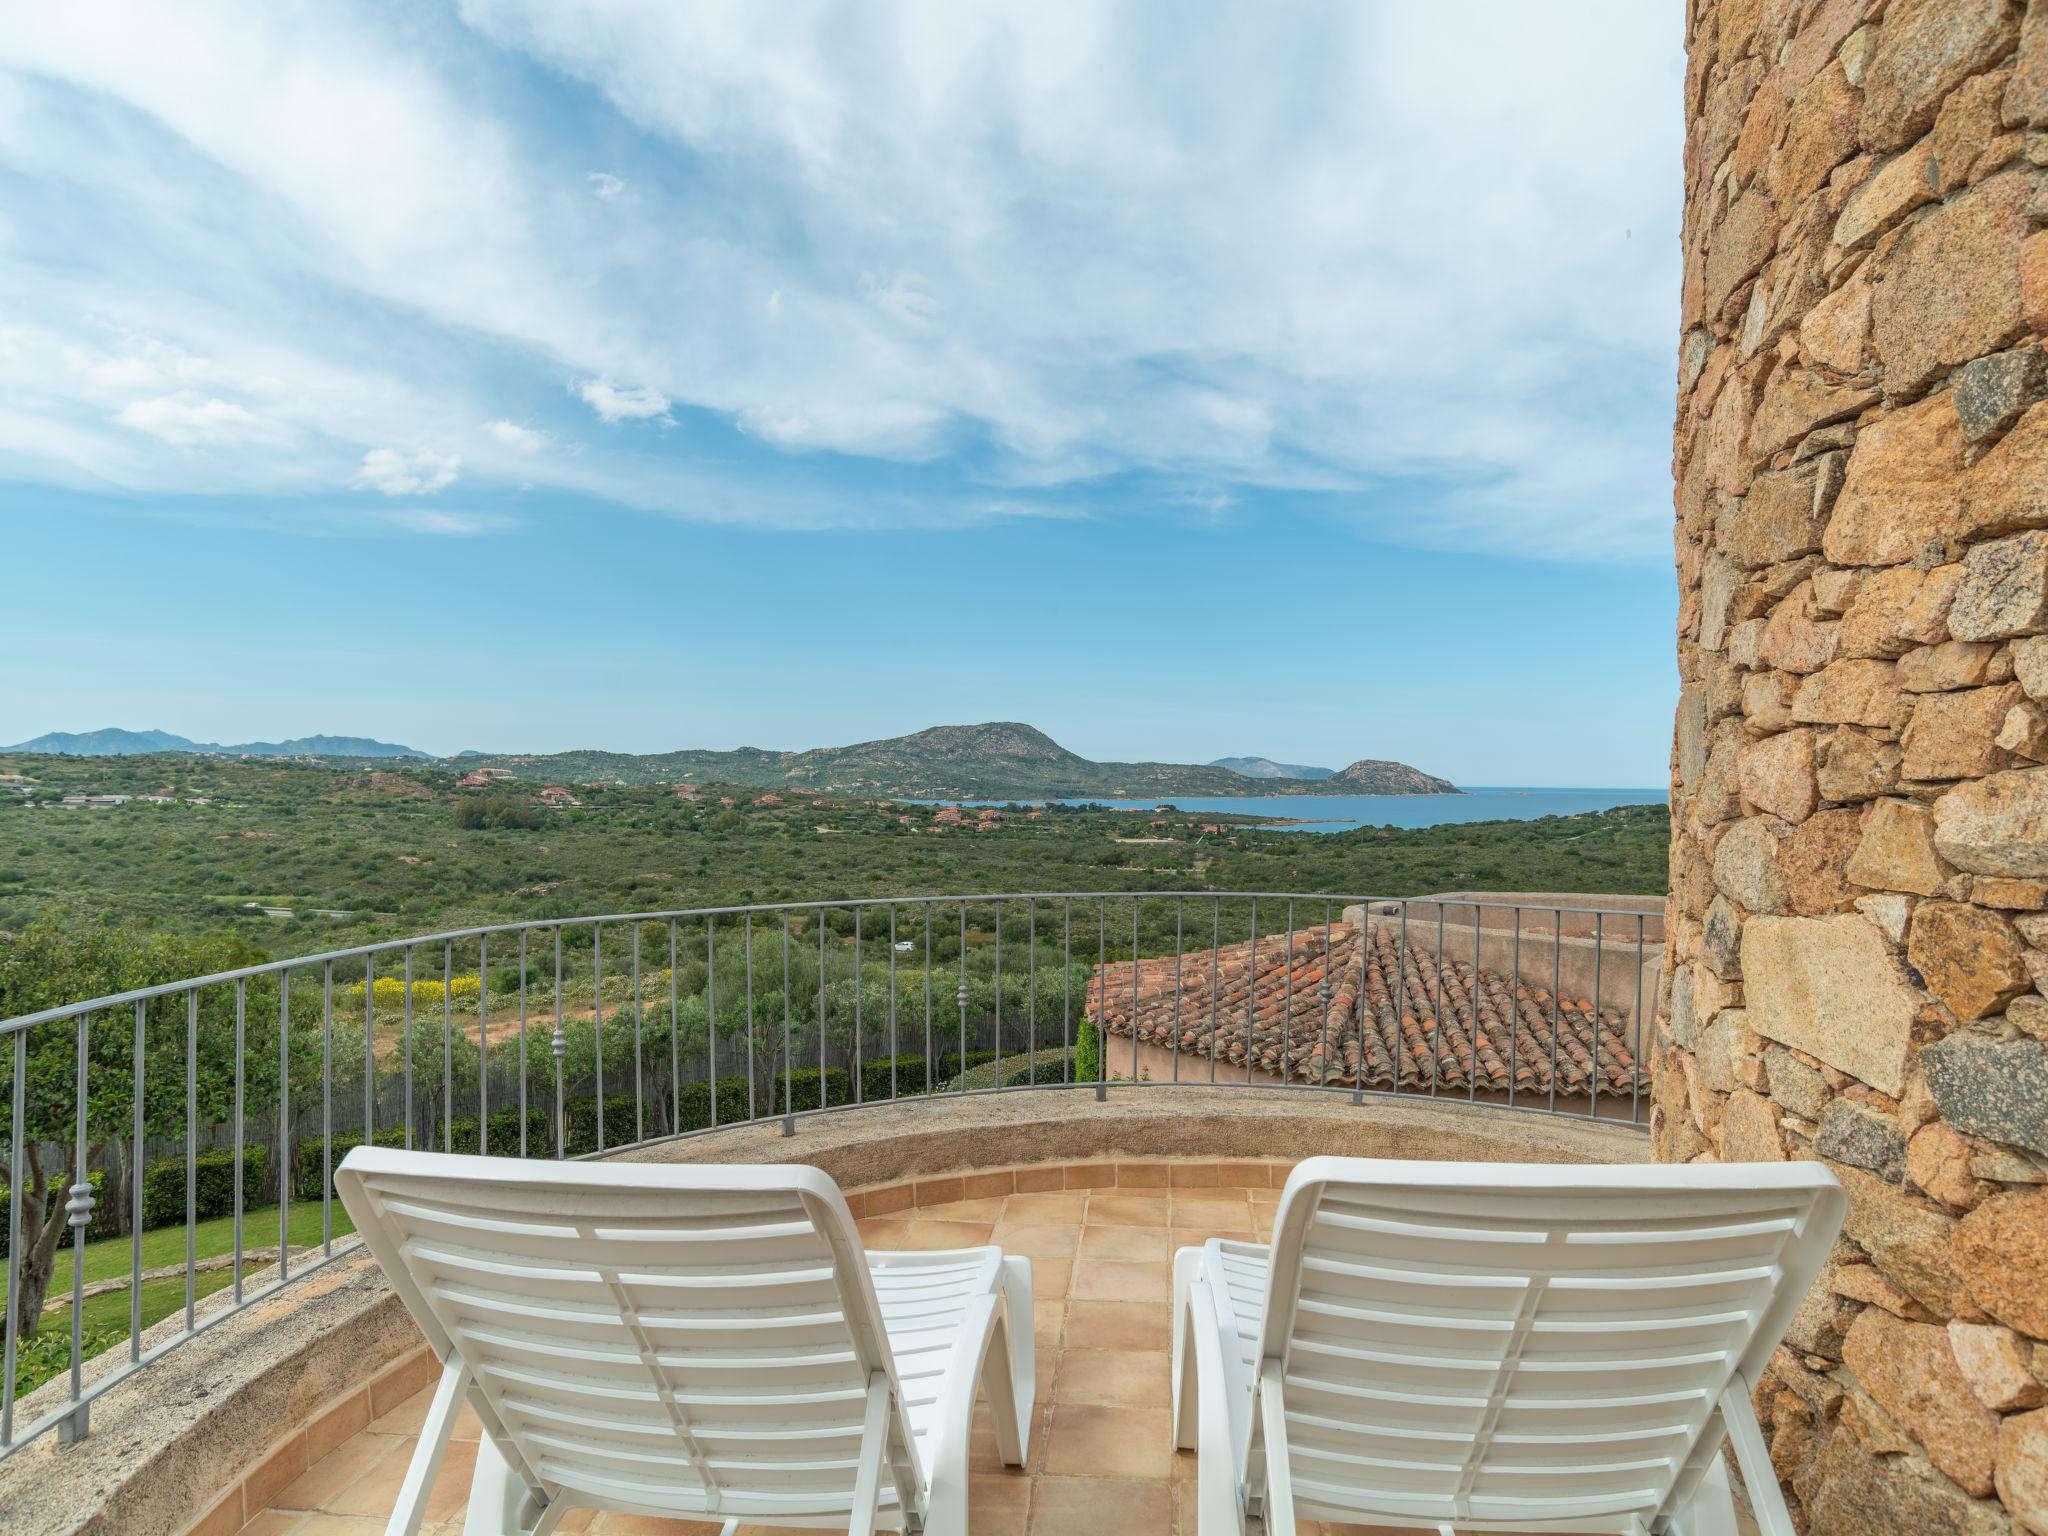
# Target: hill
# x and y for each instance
(999, 760)
(115, 742)
(1376, 776)
(1266, 768)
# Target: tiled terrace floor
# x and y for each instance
(1102, 1457)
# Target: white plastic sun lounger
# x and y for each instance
(703, 1343)
(1495, 1347)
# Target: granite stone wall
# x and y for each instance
(1858, 918)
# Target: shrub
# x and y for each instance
(1088, 1053)
(213, 1186)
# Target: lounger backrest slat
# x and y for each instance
(1488, 1346)
(676, 1341)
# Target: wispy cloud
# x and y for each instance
(520, 439)
(434, 520)
(395, 472)
(637, 403)
(189, 419)
(996, 252)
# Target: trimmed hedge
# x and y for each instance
(213, 1186)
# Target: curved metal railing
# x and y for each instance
(219, 1105)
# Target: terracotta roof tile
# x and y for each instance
(1418, 1011)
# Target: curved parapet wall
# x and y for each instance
(211, 1433)
(1858, 924)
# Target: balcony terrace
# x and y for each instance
(279, 1405)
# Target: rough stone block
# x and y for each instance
(2022, 1475)
(2026, 94)
(1925, 49)
(1749, 1130)
(1996, 825)
(1909, 1242)
(1851, 1134)
(1897, 609)
(2001, 1257)
(1969, 958)
(1896, 851)
(1857, 766)
(1946, 667)
(1778, 518)
(1901, 492)
(1992, 392)
(1813, 860)
(1852, 692)
(1911, 1371)
(1746, 865)
(1831, 987)
(2007, 489)
(1794, 403)
(1777, 775)
(1895, 189)
(1955, 735)
(2030, 665)
(1938, 1161)
(1950, 291)
(1996, 1363)
(2004, 591)
(1994, 1089)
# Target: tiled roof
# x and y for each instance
(1317, 1029)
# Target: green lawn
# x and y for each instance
(106, 1315)
(111, 1258)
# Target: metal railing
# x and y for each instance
(197, 1106)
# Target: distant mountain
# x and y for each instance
(115, 742)
(1266, 768)
(1001, 760)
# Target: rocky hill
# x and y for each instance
(1266, 768)
(1000, 760)
(1377, 776)
(115, 742)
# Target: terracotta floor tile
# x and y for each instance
(612, 1523)
(320, 1485)
(1093, 1506)
(1121, 1210)
(998, 1504)
(274, 1522)
(925, 1236)
(1050, 1278)
(1038, 1240)
(982, 1455)
(1048, 1322)
(1048, 1206)
(375, 1489)
(451, 1488)
(467, 1426)
(962, 1210)
(1133, 1378)
(1110, 1440)
(407, 1417)
(1105, 1280)
(339, 1525)
(1118, 1325)
(1146, 1245)
(1195, 1237)
(882, 1231)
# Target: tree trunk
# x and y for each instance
(42, 1215)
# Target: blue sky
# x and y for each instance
(530, 374)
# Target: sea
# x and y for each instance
(1342, 813)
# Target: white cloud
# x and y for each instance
(638, 403)
(433, 520)
(190, 420)
(1020, 246)
(519, 439)
(397, 473)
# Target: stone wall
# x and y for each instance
(1859, 859)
